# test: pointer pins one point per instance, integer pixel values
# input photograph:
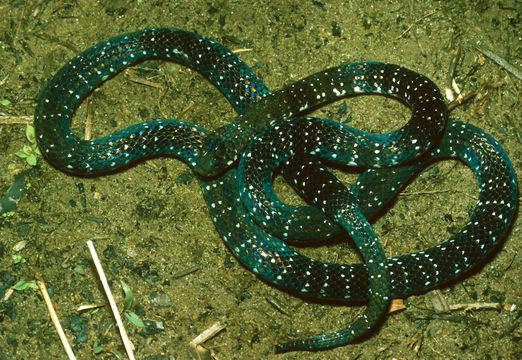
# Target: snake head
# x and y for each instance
(216, 158)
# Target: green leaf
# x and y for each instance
(117, 353)
(22, 285)
(4, 102)
(79, 269)
(97, 348)
(31, 160)
(135, 319)
(17, 258)
(36, 150)
(94, 311)
(128, 295)
(30, 134)
(21, 154)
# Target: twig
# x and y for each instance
(8, 294)
(88, 123)
(126, 342)
(19, 25)
(190, 106)
(415, 23)
(415, 342)
(207, 334)
(435, 192)
(237, 51)
(500, 61)
(90, 307)
(461, 100)
(185, 272)
(196, 348)
(277, 306)
(453, 64)
(474, 306)
(16, 119)
(55, 319)
(424, 192)
(131, 75)
(512, 259)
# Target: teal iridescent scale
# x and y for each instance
(257, 227)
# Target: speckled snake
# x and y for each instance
(270, 133)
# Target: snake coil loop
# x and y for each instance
(251, 219)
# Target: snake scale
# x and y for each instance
(271, 133)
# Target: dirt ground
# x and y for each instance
(150, 222)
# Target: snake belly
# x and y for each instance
(264, 254)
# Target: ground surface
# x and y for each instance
(150, 222)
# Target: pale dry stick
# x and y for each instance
(207, 334)
(126, 342)
(88, 123)
(8, 294)
(87, 307)
(237, 51)
(55, 319)
(500, 61)
(16, 119)
(198, 351)
(474, 306)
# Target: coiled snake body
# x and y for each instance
(242, 203)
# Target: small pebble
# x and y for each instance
(160, 299)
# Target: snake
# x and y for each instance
(235, 165)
